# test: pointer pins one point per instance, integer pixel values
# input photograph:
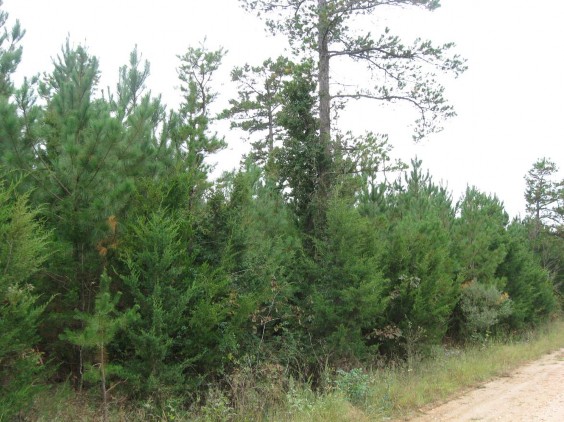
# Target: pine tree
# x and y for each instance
(322, 30)
(10, 52)
(544, 197)
(258, 104)
(10, 98)
(543, 194)
(82, 156)
(100, 328)
(190, 127)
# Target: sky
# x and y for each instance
(510, 102)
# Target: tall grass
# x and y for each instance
(439, 378)
(401, 391)
(357, 395)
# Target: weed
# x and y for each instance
(265, 393)
(217, 407)
(354, 384)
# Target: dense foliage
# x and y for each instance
(122, 264)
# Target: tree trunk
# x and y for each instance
(103, 379)
(324, 94)
(324, 114)
(270, 143)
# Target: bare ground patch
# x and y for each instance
(533, 392)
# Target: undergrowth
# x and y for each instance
(357, 394)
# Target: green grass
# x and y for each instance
(399, 393)
(383, 394)
(438, 379)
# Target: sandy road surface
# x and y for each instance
(534, 392)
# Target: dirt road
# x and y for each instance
(534, 392)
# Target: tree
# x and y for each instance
(130, 87)
(260, 256)
(544, 196)
(418, 260)
(10, 52)
(196, 72)
(302, 158)
(480, 237)
(322, 28)
(142, 116)
(184, 307)
(545, 208)
(480, 247)
(10, 123)
(190, 126)
(83, 162)
(259, 102)
(154, 276)
(20, 129)
(100, 328)
(24, 248)
(348, 297)
(528, 284)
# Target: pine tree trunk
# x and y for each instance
(324, 94)
(103, 379)
(270, 143)
(324, 114)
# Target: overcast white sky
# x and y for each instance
(510, 102)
